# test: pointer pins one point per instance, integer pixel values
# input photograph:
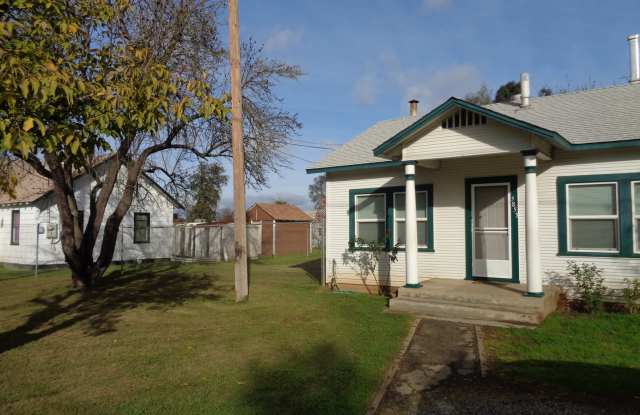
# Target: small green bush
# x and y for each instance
(589, 284)
(631, 295)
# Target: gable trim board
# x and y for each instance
(552, 136)
(389, 217)
(515, 263)
(624, 208)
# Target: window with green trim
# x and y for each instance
(599, 215)
(593, 217)
(378, 214)
(370, 217)
(399, 222)
(141, 228)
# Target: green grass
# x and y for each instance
(169, 338)
(594, 354)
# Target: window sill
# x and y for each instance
(141, 242)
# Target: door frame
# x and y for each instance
(513, 208)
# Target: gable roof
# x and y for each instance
(583, 120)
(32, 186)
(584, 117)
(284, 212)
(358, 151)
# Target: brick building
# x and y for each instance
(286, 229)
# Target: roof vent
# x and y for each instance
(634, 58)
(413, 107)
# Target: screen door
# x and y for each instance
(491, 227)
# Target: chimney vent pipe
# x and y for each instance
(413, 107)
(634, 58)
(525, 89)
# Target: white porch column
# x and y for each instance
(411, 227)
(534, 277)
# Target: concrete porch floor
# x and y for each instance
(476, 302)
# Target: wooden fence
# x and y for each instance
(212, 242)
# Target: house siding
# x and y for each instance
(492, 138)
(448, 260)
(50, 252)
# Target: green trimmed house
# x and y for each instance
(503, 192)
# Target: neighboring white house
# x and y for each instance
(145, 233)
(506, 191)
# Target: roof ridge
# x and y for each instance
(568, 93)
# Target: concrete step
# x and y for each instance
(461, 313)
(476, 303)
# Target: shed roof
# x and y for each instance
(285, 212)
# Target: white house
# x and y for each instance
(145, 233)
(506, 191)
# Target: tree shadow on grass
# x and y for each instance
(538, 387)
(320, 381)
(313, 269)
(577, 377)
(155, 287)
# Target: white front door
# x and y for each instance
(491, 230)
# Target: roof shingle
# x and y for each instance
(583, 117)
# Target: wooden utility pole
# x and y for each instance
(239, 214)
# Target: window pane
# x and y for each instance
(636, 194)
(492, 245)
(421, 205)
(371, 231)
(638, 235)
(15, 226)
(422, 233)
(400, 233)
(399, 205)
(596, 199)
(370, 207)
(594, 234)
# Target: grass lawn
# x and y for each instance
(598, 355)
(168, 338)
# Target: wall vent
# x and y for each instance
(463, 119)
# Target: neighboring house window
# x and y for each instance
(599, 215)
(399, 222)
(593, 217)
(636, 215)
(370, 217)
(379, 214)
(15, 227)
(141, 228)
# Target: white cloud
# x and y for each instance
(428, 86)
(365, 90)
(283, 39)
(435, 4)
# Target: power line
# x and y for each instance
(311, 146)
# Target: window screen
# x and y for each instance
(370, 217)
(593, 217)
(421, 218)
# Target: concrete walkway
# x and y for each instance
(440, 374)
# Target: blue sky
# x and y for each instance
(363, 60)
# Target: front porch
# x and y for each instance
(476, 302)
